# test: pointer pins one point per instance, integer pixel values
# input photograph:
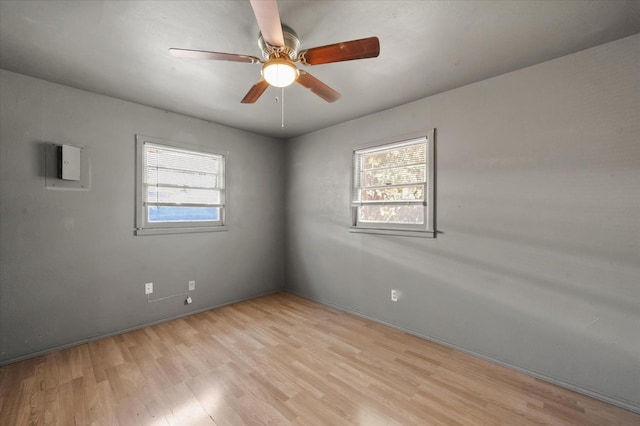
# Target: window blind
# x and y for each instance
(390, 183)
(391, 174)
(177, 177)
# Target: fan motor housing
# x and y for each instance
(291, 44)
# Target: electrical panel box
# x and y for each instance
(69, 162)
(58, 175)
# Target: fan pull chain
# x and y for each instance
(282, 107)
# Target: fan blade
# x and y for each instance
(318, 87)
(345, 51)
(203, 54)
(268, 18)
(255, 92)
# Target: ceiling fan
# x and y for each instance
(279, 46)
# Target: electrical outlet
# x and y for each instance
(192, 285)
(148, 288)
(394, 295)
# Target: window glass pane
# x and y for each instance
(162, 195)
(183, 214)
(412, 214)
(402, 193)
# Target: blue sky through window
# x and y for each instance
(183, 214)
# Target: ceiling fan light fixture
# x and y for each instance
(279, 72)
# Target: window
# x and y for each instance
(393, 188)
(179, 189)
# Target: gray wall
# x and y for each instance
(538, 184)
(70, 266)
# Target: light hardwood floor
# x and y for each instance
(281, 359)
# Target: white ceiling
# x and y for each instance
(119, 48)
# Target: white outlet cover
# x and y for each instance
(192, 285)
(148, 288)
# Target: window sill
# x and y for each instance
(162, 231)
(395, 232)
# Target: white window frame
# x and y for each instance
(143, 226)
(428, 229)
